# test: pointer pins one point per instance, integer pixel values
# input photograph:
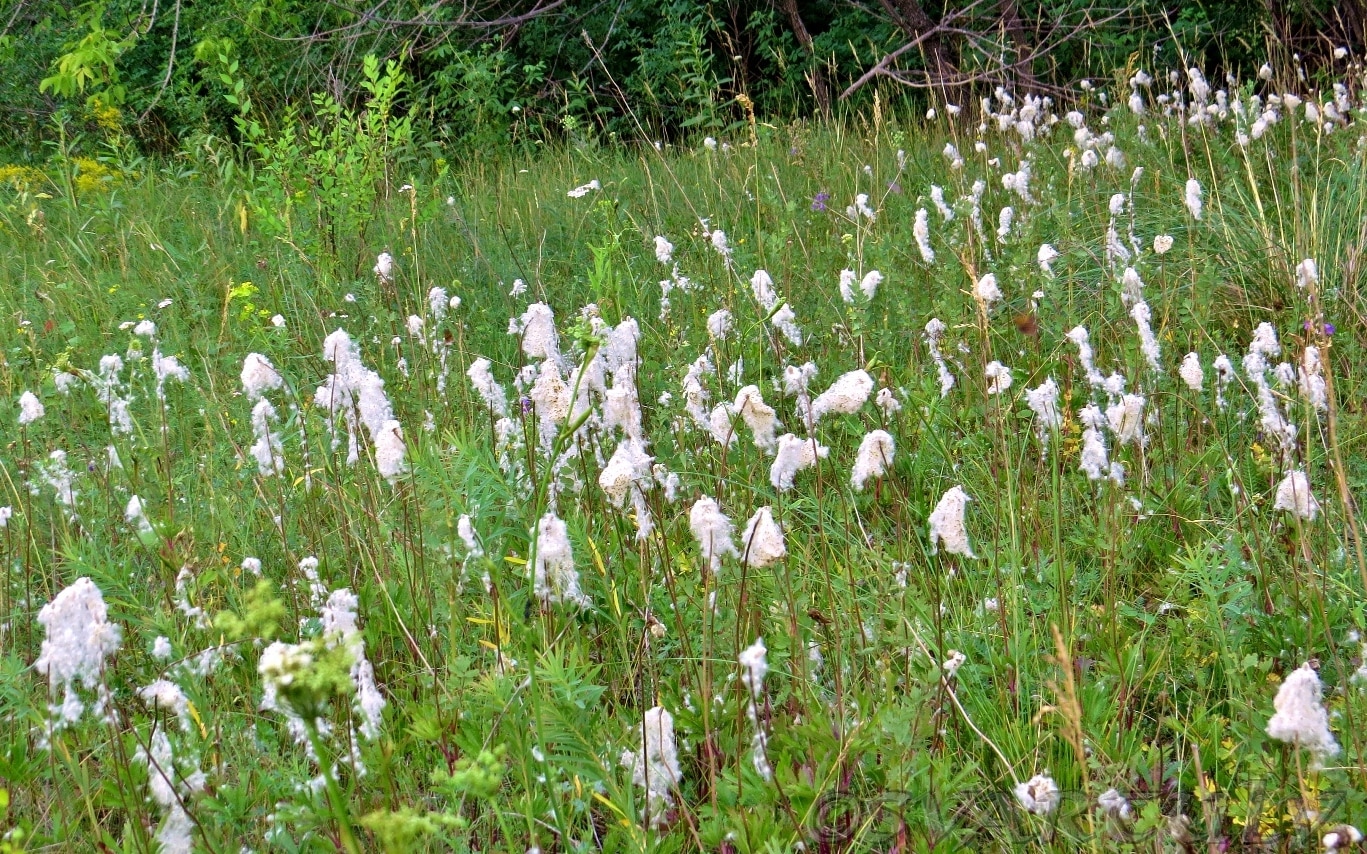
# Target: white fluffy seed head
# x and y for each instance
(845, 396)
(762, 542)
(1300, 717)
(1294, 496)
(875, 456)
(259, 376)
(947, 528)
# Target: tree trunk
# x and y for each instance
(820, 90)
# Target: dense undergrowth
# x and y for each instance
(422, 600)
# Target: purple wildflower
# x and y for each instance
(819, 203)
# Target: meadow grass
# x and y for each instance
(1126, 632)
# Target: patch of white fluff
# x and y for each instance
(845, 396)
(555, 579)
(999, 377)
(875, 456)
(763, 540)
(947, 529)
(1191, 372)
(655, 767)
(757, 415)
(1293, 496)
(793, 456)
(713, 531)
(259, 376)
(1038, 795)
(1300, 717)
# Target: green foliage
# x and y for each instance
(1183, 599)
(666, 70)
(261, 618)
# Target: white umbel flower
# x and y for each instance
(947, 529)
(762, 540)
(1300, 717)
(30, 408)
(1038, 795)
(713, 531)
(1162, 244)
(1293, 496)
(875, 456)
